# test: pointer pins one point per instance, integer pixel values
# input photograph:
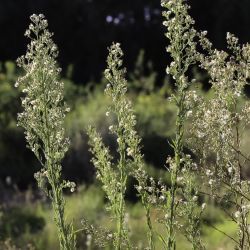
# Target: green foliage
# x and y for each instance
(15, 222)
(156, 116)
(8, 95)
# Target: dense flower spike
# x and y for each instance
(43, 119)
(122, 108)
(116, 88)
(182, 48)
(131, 160)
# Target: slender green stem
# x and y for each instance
(120, 222)
(59, 216)
(150, 231)
(120, 219)
(178, 147)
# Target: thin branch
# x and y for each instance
(239, 152)
(220, 231)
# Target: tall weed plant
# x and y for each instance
(43, 119)
(213, 129)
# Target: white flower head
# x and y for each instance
(237, 214)
(203, 206)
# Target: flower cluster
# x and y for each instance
(218, 125)
(97, 235)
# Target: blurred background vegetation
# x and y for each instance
(83, 30)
